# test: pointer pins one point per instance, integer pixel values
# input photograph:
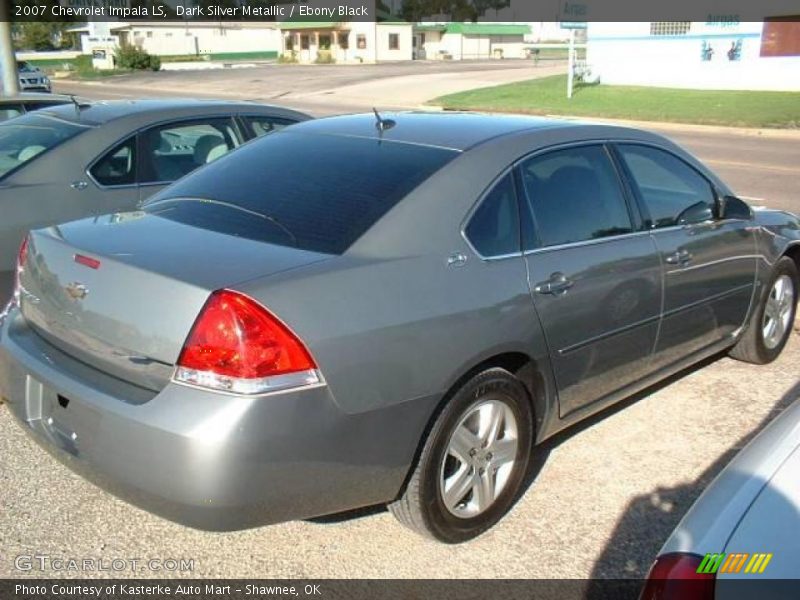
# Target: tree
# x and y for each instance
(454, 10)
(42, 35)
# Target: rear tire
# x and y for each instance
(773, 319)
(473, 462)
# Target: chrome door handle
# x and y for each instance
(681, 257)
(78, 185)
(457, 259)
(557, 284)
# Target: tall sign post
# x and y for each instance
(572, 26)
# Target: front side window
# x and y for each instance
(29, 136)
(673, 192)
(493, 229)
(575, 196)
(171, 151)
(118, 166)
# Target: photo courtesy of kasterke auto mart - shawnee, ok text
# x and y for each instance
(401, 298)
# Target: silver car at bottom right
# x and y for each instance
(741, 539)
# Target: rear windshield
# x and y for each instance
(24, 138)
(315, 192)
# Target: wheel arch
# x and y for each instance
(529, 371)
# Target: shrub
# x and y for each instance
(134, 58)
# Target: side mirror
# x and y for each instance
(698, 212)
(731, 207)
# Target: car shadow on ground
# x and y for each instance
(650, 518)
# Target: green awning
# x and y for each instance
(487, 29)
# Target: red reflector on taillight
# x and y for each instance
(87, 261)
(674, 576)
(241, 341)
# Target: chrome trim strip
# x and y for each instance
(713, 298)
(608, 334)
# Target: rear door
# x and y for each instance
(594, 275)
(709, 264)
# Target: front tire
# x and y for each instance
(772, 321)
(473, 462)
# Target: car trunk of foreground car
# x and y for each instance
(122, 293)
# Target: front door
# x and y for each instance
(709, 263)
(595, 278)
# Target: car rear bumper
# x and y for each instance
(202, 459)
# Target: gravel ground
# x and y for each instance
(607, 496)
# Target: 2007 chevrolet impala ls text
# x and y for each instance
(364, 310)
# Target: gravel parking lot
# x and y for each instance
(607, 494)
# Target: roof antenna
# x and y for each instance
(382, 124)
(75, 103)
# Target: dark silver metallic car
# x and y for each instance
(77, 160)
(357, 311)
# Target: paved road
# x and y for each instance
(761, 165)
(607, 495)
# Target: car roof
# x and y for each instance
(100, 112)
(458, 131)
(35, 97)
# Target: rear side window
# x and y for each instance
(667, 185)
(27, 137)
(575, 195)
(315, 192)
(493, 229)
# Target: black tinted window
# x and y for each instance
(575, 196)
(671, 189)
(493, 229)
(118, 166)
(315, 192)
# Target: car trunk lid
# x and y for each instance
(121, 292)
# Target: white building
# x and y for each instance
(684, 54)
(346, 41)
(219, 40)
(461, 41)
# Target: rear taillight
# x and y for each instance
(22, 260)
(237, 346)
(674, 576)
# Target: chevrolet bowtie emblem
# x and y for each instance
(77, 291)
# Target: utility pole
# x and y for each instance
(571, 63)
(8, 61)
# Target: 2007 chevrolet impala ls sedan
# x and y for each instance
(363, 310)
